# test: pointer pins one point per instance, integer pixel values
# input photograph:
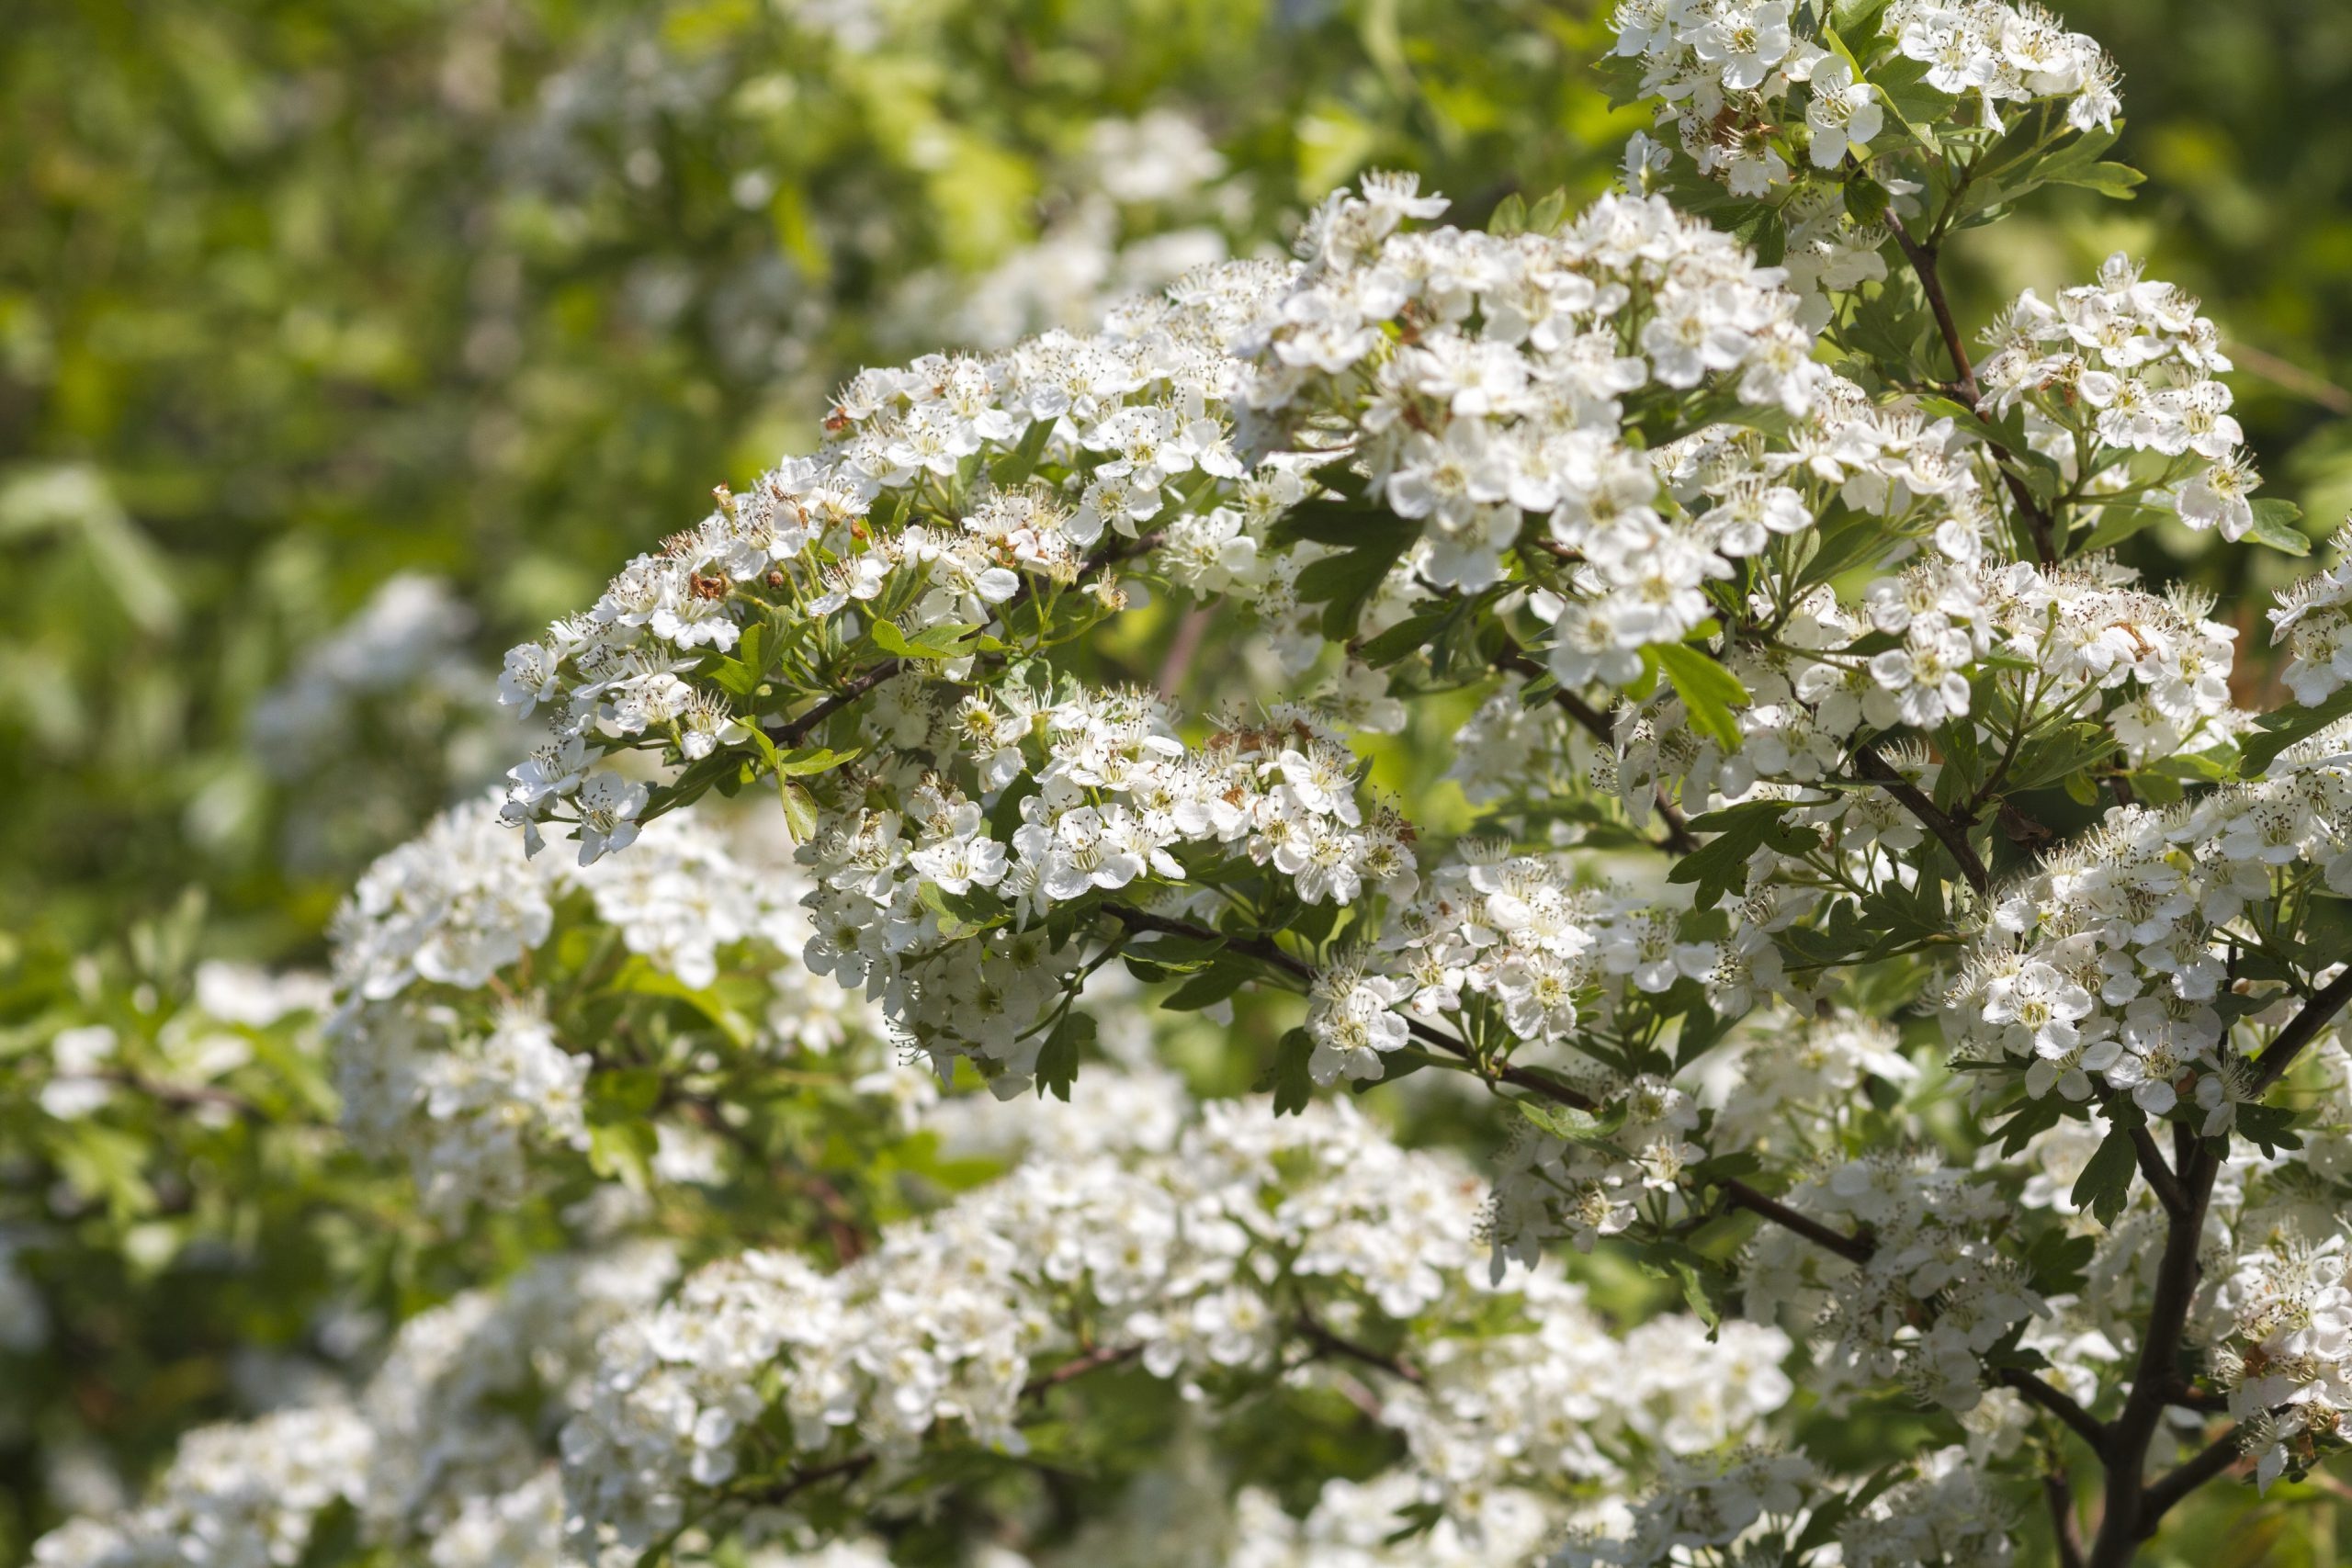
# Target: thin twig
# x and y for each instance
(2058, 1490)
(1324, 1339)
(1677, 829)
(1924, 259)
(1853, 1248)
(2056, 1402)
(793, 731)
(1182, 650)
(1949, 833)
(2285, 373)
(2300, 1031)
(2212, 1461)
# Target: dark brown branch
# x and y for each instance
(1677, 829)
(2159, 1174)
(2056, 1402)
(2130, 1515)
(2214, 1460)
(1923, 259)
(1266, 951)
(1949, 833)
(2300, 1031)
(1077, 1366)
(1258, 948)
(786, 1487)
(1853, 1248)
(1332, 1344)
(2058, 1490)
(849, 1467)
(793, 731)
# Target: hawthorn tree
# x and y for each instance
(1859, 901)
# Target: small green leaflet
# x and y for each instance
(2274, 525)
(934, 642)
(1344, 583)
(1567, 1123)
(2277, 731)
(1707, 689)
(1292, 1083)
(1720, 865)
(2077, 163)
(1058, 1058)
(2106, 1182)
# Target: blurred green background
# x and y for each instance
(344, 342)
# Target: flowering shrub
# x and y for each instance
(1866, 909)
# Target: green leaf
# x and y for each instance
(1568, 1123)
(2035, 1116)
(1016, 466)
(810, 759)
(799, 809)
(1902, 85)
(936, 642)
(1720, 865)
(1404, 639)
(2105, 1184)
(2279, 730)
(2274, 525)
(1344, 583)
(2077, 163)
(1342, 524)
(1843, 543)
(1707, 689)
(2059, 756)
(2057, 1263)
(622, 1094)
(1292, 1083)
(1225, 975)
(1058, 1058)
(1857, 19)
(2116, 523)
(624, 1149)
(2272, 1127)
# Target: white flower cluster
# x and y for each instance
(1947, 1512)
(2287, 1359)
(1514, 929)
(2127, 363)
(2076, 639)
(1935, 1295)
(1118, 796)
(1136, 413)
(1696, 1506)
(2074, 642)
(237, 1495)
(2111, 967)
(1246, 1245)
(434, 1451)
(1353, 1524)
(1785, 1075)
(466, 1085)
(1745, 87)
(1484, 378)
(2310, 619)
